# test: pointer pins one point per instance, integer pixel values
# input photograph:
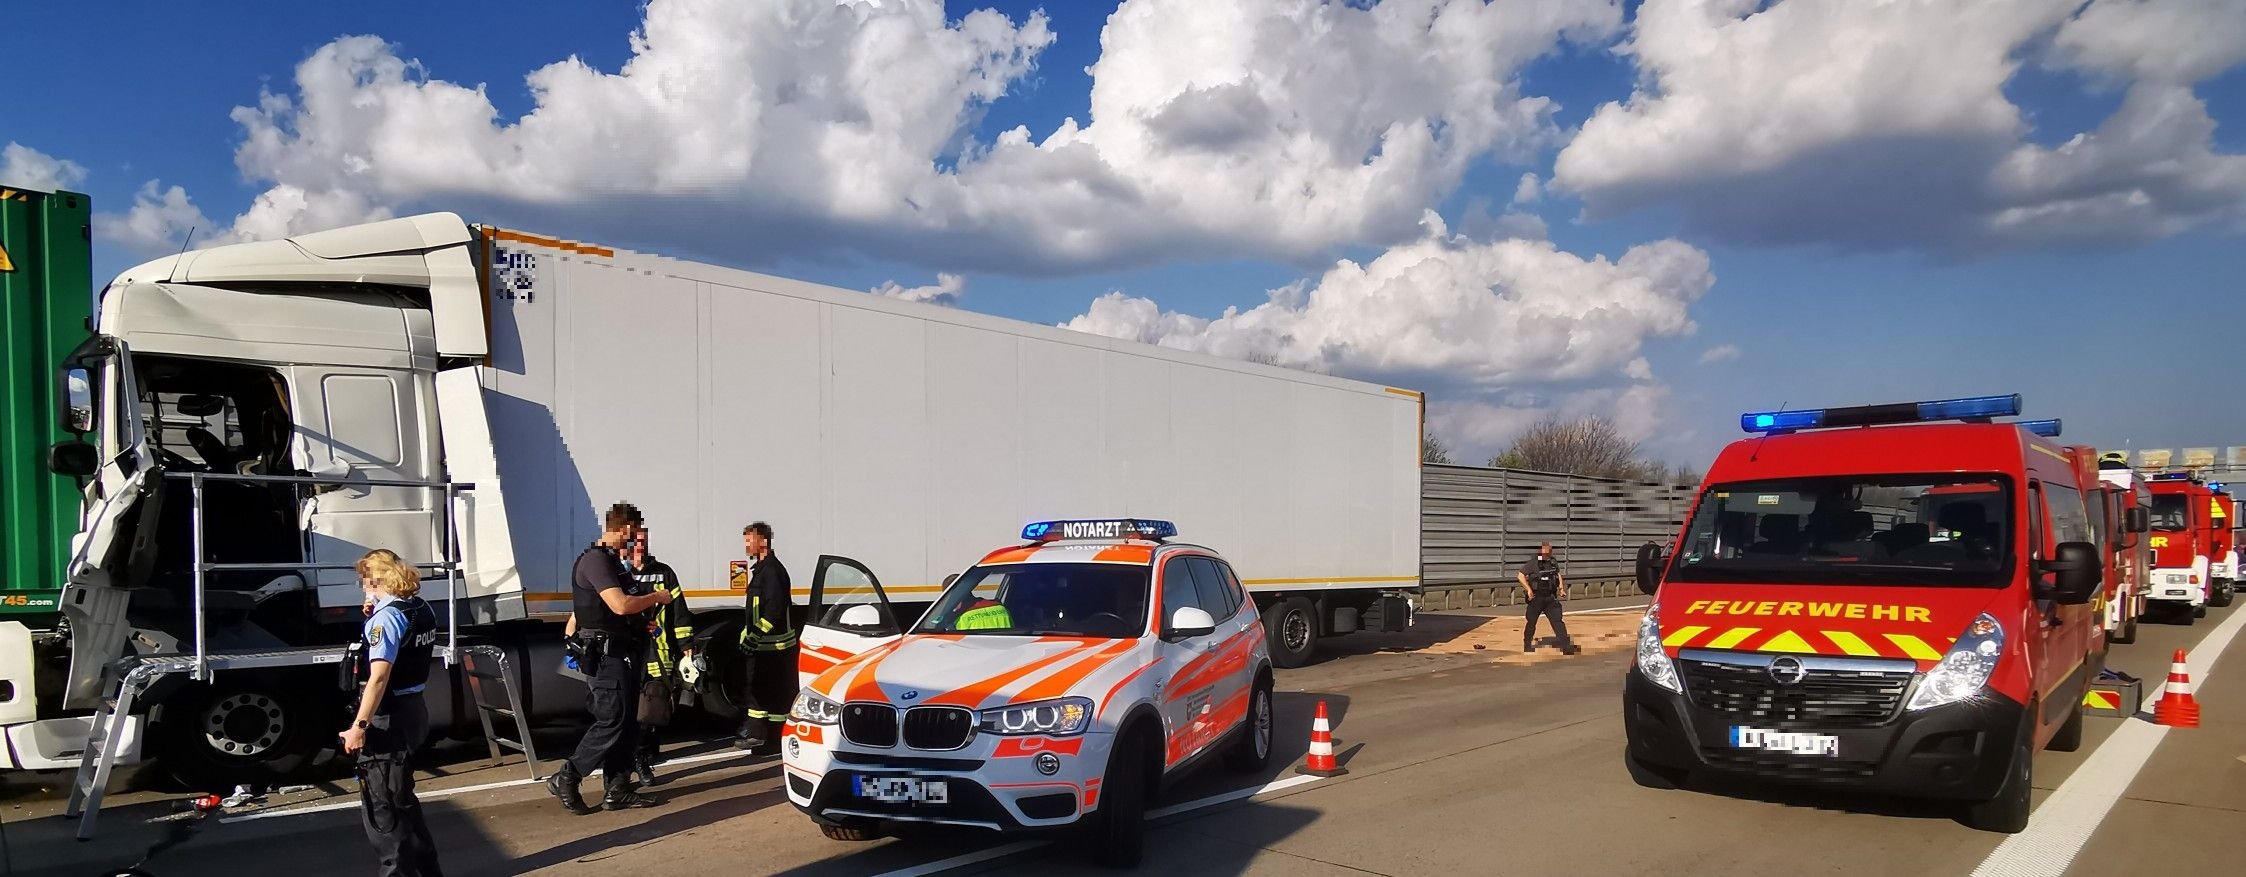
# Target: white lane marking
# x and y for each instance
(960, 861)
(433, 794)
(2059, 828)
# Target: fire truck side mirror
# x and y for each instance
(1649, 567)
(2140, 519)
(2078, 572)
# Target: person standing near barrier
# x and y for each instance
(1547, 589)
(390, 722)
(670, 641)
(609, 642)
(768, 643)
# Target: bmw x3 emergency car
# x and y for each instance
(1056, 683)
(1866, 599)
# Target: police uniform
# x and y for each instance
(1544, 600)
(402, 631)
(768, 643)
(674, 633)
(614, 671)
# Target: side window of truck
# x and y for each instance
(2037, 549)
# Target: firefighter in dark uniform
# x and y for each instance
(1547, 590)
(391, 720)
(608, 644)
(768, 643)
(670, 643)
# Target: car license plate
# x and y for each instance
(900, 790)
(1743, 737)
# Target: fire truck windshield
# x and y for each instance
(2171, 512)
(1939, 530)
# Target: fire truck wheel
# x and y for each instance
(2008, 811)
(1251, 751)
(2198, 612)
(1291, 627)
(2069, 737)
(1116, 833)
(248, 730)
(2222, 595)
(2126, 633)
(729, 674)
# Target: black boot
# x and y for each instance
(751, 736)
(624, 795)
(643, 770)
(563, 785)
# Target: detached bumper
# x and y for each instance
(1956, 751)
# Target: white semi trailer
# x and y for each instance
(400, 380)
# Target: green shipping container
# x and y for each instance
(46, 301)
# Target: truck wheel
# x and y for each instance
(1291, 626)
(729, 673)
(2222, 595)
(2125, 632)
(2008, 811)
(213, 737)
(2199, 612)
(1116, 833)
(1252, 750)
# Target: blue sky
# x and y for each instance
(2094, 272)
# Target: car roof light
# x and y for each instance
(2045, 428)
(1972, 408)
(1099, 528)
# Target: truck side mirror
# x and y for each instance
(1649, 567)
(77, 410)
(2140, 520)
(74, 459)
(2079, 572)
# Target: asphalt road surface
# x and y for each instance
(1460, 761)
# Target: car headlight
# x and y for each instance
(812, 709)
(1062, 717)
(1653, 662)
(1967, 667)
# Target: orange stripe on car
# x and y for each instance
(1023, 747)
(1125, 554)
(1016, 554)
(1059, 683)
(862, 685)
(1110, 698)
(972, 696)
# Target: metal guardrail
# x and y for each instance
(1477, 596)
(444, 537)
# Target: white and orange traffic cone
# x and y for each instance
(1320, 761)
(2177, 708)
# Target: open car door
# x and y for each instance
(849, 616)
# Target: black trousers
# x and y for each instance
(772, 689)
(1547, 607)
(608, 746)
(387, 806)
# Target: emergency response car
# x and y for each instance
(2182, 536)
(1056, 683)
(1899, 607)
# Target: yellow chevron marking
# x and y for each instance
(6, 264)
(1732, 637)
(1684, 635)
(1914, 647)
(1851, 643)
(1788, 641)
(2105, 700)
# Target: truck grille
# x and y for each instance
(1825, 698)
(938, 728)
(870, 724)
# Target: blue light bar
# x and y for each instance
(2045, 428)
(2171, 476)
(1104, 528)
(1980, 408)
(2216, 487)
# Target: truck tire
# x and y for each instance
(1115, 834)
(2198, 612)
(2007, 813)
(1251, 751)
(252, 729)
(2222, 595)
(729, 673)
(1291, 626)
(2125, 632)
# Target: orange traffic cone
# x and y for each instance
(2177, 708)
(1320, 761)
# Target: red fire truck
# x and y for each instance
(2182, 537)
(2129, 504)
(1875, 599)
(2222, 553)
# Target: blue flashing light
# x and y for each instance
(1975, 407)
(2172, 476)
(2216, 487)
(1103, 528)
(2045, 428)
(1782, 421)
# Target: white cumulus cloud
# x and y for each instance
(1499, 332)
(1885, 125)
(26, 168)
(946, 290)
(1719, 353)
(1215, 127)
